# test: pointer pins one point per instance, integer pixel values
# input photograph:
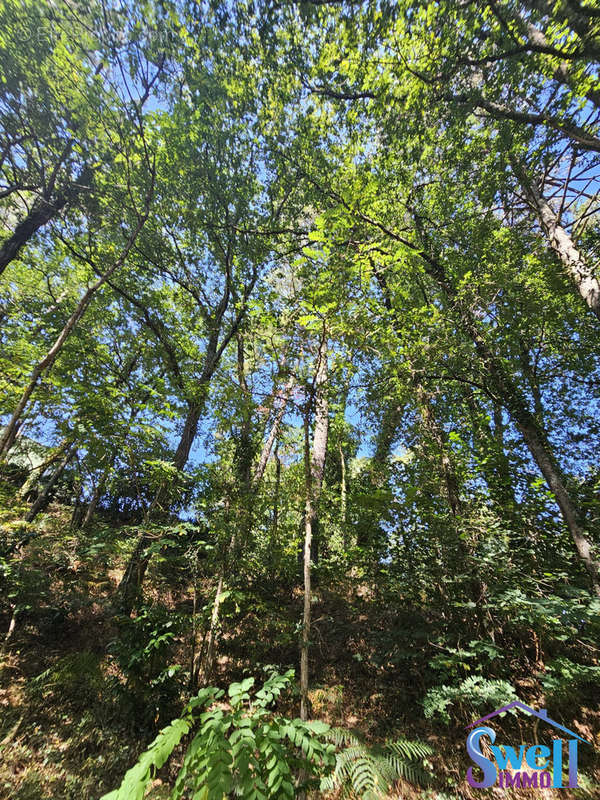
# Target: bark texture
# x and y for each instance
(314, 467)
(582, 274)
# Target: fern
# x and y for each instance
(239, 749)
(469, 696)
(370, 772)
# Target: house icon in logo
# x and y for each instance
(546, 774)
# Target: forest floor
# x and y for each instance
(79, 685)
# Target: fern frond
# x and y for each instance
(370, 772)
(405, 748)
(344, 736)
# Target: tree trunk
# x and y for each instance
(41, 213)
(188, 434)
(313, 471)
(131, 583)
(306, 564)
(203, 665)
(536, 440)
(44, 497)
(274, 432)
(44, 210)
(581, 274)
(37, 472)
(133, 577)
(78, 508)
(135, 571)
(537, 443)
(277, 492)
(11, 627)
(343, 497)
(214, 351)
(503, 387)
(10, 431)
(450, 482)
(100, 486)
(489, 448)
(95, 499)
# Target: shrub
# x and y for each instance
(239, 747)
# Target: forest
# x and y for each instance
(299, 399)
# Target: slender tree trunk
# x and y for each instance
(37, 472)
(306, 565)
(214, 351)
(210, 645)
(274, 432)
(44, 210)
(205, 660)
(135, 571)
(133, 577)
(44, 496)
(275, 529)
(100, 486)
(94, 500)
(203, 665)
(244, 452)
(11, 627)
(488, 444)
(41, 213)
(450, 482)
(190, 430)
(314, 469)
(97, 494)
(536, 440)
(10, 431)
(582, 275)
(78, 507)
(343, 497)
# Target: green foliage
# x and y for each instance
(370, 771)
(456, 660)
(137, 778)
(565, 680)
(240, 746)
(142, 652)
(77, 676)
(416, 181)
(467, 698)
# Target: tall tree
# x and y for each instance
(314, 466)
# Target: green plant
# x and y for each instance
(370, 771)
(77, 675)
(473, 693)
(142, 651)
(564, 679)
(239, 747)
(454, 661)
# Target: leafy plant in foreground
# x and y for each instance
(240, 748)
(370, 771)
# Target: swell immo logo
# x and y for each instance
(536, 766)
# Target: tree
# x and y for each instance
(314, 465)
